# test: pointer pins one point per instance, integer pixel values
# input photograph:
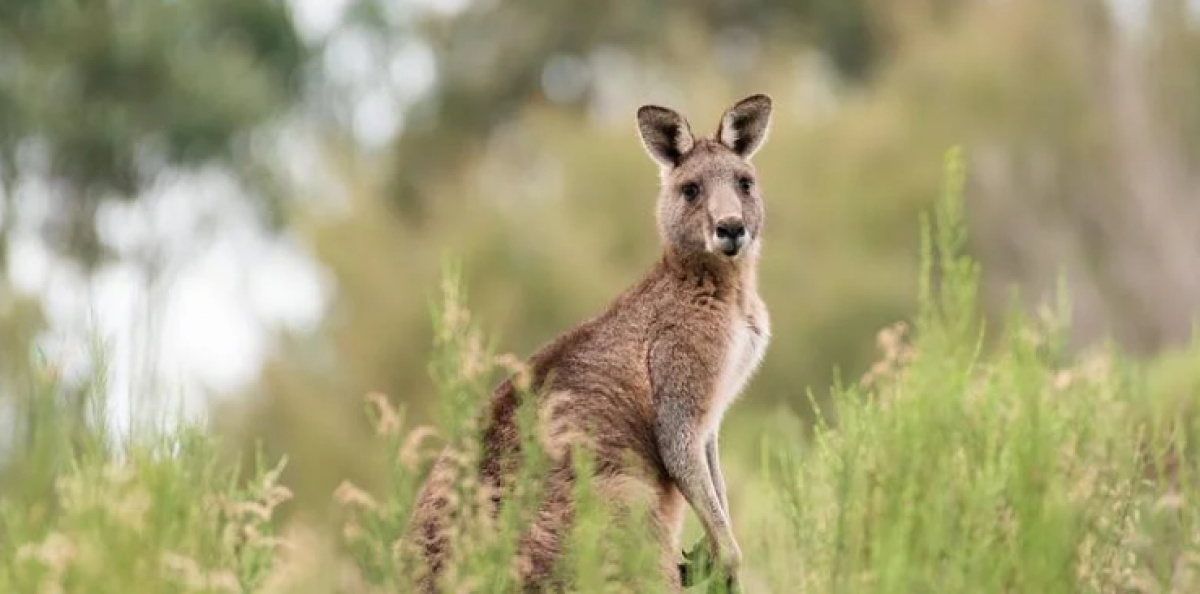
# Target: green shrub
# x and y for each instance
(965, 465)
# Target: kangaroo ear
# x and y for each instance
(744, 126)
(665, 134)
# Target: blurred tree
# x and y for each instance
(96, 96)
(1085, 168)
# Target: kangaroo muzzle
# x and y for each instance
(730, 236)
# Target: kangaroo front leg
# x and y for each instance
(681, 380)
(718, 479)
(712, 454)
(686, 460)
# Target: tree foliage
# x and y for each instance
(97, 97)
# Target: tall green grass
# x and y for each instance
(979, 459)
(971, 459)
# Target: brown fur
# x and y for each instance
(649, 378)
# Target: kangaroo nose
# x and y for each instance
(731, 235)
(732, 229)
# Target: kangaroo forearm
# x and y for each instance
(685, 457)
(714, 468)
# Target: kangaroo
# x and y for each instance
(649, 379)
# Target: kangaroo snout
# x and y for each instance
(731, 235)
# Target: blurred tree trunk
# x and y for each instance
(1125, 231)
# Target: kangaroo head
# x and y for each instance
(709, 201)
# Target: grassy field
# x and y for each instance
(972, 458)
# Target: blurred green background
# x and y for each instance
(247, 202)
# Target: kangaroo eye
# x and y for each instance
(691, 191)
(745, 184)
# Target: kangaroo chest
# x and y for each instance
(748, 333)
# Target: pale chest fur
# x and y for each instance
(748, 333)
